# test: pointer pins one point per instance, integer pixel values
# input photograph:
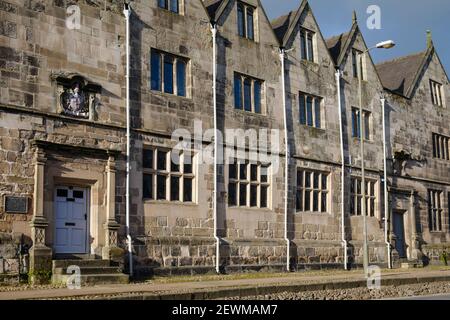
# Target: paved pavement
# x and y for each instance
(326, 281)
(436, 297)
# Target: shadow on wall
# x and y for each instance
(225, 252)
(292, 167)
(137, 224)
(346, 128)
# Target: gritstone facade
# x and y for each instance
(63, 141)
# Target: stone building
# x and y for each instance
(63, 141)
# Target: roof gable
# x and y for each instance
(402, 75)
(216, 9)
(399, 75)
(281, 24)
(336, 45)
(340, 45)
(213, 6)
(285, 25)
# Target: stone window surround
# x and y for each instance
(168, 173)
(188, 82)
(248, 182)
(437, 93)
(321, 107)
(372, 208)
(181, 7)
(246, 7)
(368, 131)
(301, 187)
(243, 77)
(436, 210)
(308, 34)
(441, 146)
(355, 64)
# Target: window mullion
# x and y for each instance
(242, 92)
(252, 95)
(248, 181)
(258, 186)
(313, 110)
(320, 192)
(181, 183)
(307, 44)
(162, 71)
(304, 189)
(175, 76)
(245, 21)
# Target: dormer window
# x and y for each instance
(307, 45)
(171, 5)
(246, 21)
(436, 93)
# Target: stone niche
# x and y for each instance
(76, 96)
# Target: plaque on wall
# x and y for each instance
(16, 204)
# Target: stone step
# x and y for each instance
(412, 264)
(80, 263)
(89, 270)
(93, 279)
(75, 256)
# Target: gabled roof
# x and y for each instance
(335, 45)
(339, 45)
(281, 24)
(216, 8)
(284, 26)
(212, 6)
(399, 75)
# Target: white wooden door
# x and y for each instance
(71, 214)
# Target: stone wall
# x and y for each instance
(412, 121)
(35, 45)
(9, 262)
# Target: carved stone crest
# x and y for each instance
(73, 101)
(76, 96)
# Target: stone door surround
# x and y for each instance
(41, 251)
(405, 200)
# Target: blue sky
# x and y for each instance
(404, 21)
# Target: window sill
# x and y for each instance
(167, 11)
(247, 39)
(443, 161)
(250, 113)
(167, 202)
(310, 63)
(168, 95)
(320, 130)
(361, 216)
(250, 208)
(365, 141)
(315, 213)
